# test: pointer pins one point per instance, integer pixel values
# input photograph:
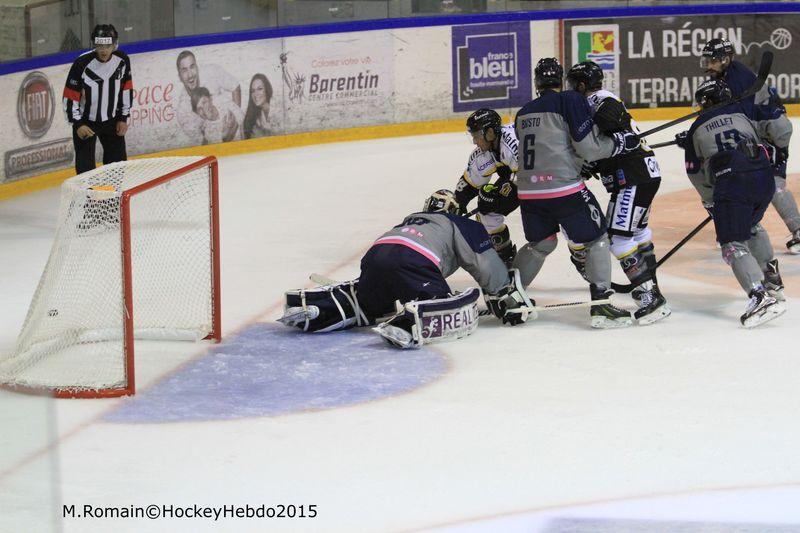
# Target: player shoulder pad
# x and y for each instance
(481, 164)
(121, 55)
(473, 232)
(509, 147)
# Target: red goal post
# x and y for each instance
(135, 257)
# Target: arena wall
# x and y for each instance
(385, 78)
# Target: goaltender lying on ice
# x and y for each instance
(408, 265)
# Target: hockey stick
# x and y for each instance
(550, 307)
(761, 79)
(661, 145)
(624, 289)
(324, 280)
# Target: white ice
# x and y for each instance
(693, 419)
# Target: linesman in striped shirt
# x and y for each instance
(97, 100)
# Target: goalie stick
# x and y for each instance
(624, 289)
(325, 280)
(761, 79)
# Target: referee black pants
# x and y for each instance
(113, 145)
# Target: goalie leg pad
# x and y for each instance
(323, 309)
(425, 321)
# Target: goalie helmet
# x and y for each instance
(486, 121)
(442, 201)
(713, 91)
(587, 72)
(716, 50)
(548, 74)
(104, 34)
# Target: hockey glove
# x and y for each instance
(510, 297)
(680, 139)
(588, 170)
(776, 155)
(498, 198)
(624, 142)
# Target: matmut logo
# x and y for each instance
(490, 65)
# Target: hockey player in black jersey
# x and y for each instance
(495, 153)
(632, 179)
(718, 61)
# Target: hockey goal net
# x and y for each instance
(135, 256)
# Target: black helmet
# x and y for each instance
(104, 34)
(442, 201)
(716, 50)
(487, 121)
(713, 91)
(587, 72)
(548, 74)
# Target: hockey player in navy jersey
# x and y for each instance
(495, 153)
(734, 175)
(632, 180)
(718, 61)
(556, 134)
(408, 264)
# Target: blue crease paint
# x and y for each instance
(269, 370)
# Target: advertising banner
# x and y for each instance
(205, 95)
(658, 58)
(181, 97)
(34, 137)
(491, 65)
(337, 81)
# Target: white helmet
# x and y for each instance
(442, 201)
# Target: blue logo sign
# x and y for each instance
(491, 65)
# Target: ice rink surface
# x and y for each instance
(691, 424)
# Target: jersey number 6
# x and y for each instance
(528, 152)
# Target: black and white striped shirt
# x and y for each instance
(97, 91)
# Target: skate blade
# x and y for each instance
(660, 313)
(768, 313)
(602, 322)
(294, 316)
(397, 337)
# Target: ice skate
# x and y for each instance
(761, 308)
(773, 283)
(294, 316)
(793, 245)
(652, 304)
(395, 336)
(607, 316)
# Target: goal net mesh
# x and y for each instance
(73, 336)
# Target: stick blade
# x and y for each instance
(765, 66)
